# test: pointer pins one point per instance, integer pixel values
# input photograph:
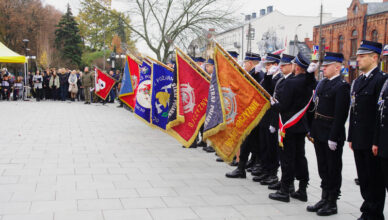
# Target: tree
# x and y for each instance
(97, 26)
(68, 40)
(168, 22)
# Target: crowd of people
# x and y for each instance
(55, 84)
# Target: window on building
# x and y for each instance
(355, 10)
(375, 36)
(340, 44)
(353, 43)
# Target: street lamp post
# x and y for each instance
(25, 41)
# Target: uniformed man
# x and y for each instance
(331, 105)
(234, 54)
(365, 93)
(88, 83)
(286, 70)
(250, 62)
(380, 147)
(267, 150)
(293, 104)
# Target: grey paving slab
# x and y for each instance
(62, 160)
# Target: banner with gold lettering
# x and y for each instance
(192, 94)
(236, 105)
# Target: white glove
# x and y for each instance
(332, 145)
(273, 101)
(312, 67)
(259, 67)
(272, 129)
(273, 70)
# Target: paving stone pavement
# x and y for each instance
(70, 161)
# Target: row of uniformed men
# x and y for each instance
(291, 82)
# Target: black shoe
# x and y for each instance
(275, 186)
(249, 169)
(292, 188)
(234, 163)
(85, 103)
(328, 209)
(259, 178)
(209, 149)
(257, 171)
(237, 173)
(280, 196)
(202, 144)
(219, 159)
(300, 195)
(320, 204)
(119, 106)
(269, 180)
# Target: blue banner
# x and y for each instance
(143, 96)
(126, 84)
(162, 79)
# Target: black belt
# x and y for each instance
(323, 117)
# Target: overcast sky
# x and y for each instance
(338, 8)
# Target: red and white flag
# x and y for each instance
(103, 84)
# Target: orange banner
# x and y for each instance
(243, 103)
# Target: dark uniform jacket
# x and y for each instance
(294, 97)
(333, 102)
(277, 94)
(258, 76)
(269, 84)
(363, 111)
(381, 135)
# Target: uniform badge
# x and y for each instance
(188, 98)
(230, 103)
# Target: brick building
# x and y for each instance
(368, 21)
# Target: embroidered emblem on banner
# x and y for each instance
(188, 98)
(230, 103)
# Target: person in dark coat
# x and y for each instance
(268, 140)
(365, 91)
(331, 105)
(292, 105)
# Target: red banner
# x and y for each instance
(134, 72)
(192, 95)
(103, 84)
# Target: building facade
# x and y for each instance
(364, 21)
(272, 32)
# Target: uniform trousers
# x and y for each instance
(371, 184)
(87, 93)
(269, 147)
(329, 166)
(250, 144)
(292, 159)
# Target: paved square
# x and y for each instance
(70, 161)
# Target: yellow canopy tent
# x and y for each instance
(9, 56)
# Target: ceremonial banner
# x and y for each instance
(173, 117)
(126, 84)
(236, 106)
(162, 78)
(130, 98)
(143, 97)
(103, 84)
(193, 90)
